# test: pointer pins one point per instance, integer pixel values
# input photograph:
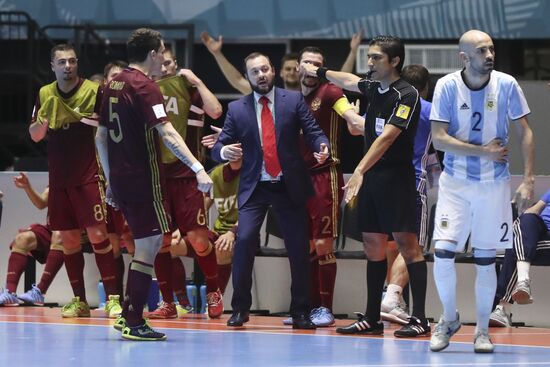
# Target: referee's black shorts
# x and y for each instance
(387, 200)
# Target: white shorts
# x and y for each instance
(481, 209)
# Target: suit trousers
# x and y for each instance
(292, 219)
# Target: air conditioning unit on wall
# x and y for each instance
(438, 59)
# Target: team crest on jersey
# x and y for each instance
(403, 111)
(491, 104)
(444, 222)
(316, 104)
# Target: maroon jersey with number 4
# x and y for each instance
(131, 108)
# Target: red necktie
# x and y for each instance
(272, 165)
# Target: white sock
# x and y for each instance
(486, 286)
(393, 295)
(445, 281)
(523, 270)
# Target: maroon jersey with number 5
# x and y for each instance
(131, 108)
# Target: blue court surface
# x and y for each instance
(26, 341)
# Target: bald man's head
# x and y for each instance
(472, 37)
(477, 51)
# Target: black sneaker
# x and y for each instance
(362, 326)
(143, 333)
(414, 328)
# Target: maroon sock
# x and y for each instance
(179, 281)
(224, 272)
(139, 283)
(74, 264)
(119, 262)
(209, 268)
(16, 266)
(107, 269)
(54, 262)
(163, 271)
(327, 279)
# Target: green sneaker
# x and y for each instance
(113, 309)
(76, 308)
(184, 310)
(120, 323)
(142, 333)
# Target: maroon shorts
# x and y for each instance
(43, 236)
(76, 207)
(324, 208)
(115, 221)
(186, 204)
(145, 218)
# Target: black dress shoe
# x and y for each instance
(302, 322)
(238, 319)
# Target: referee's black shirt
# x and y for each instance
(398, 105)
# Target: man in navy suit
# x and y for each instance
(263, 128)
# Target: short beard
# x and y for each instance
(259, 90)
(483, 70)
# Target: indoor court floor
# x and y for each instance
(33, 336)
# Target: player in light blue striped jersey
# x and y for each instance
(470, 118)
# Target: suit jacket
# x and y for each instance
(291, 116)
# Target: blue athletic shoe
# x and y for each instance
(322, 316)
(8, 299)
(287, 321)
(32, 297)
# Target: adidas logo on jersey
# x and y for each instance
(464, 106)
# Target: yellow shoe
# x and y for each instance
(120, 323)
(76, 308)
(184, 310)
(113, 309)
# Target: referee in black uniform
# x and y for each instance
(387, 201)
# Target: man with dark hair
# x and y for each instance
(330, 108)
(132, 116)
(288, 73)
(187, 100)
(387, 202)
(393, 306)
(263, 128)
(66, 112)
(112, 69)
